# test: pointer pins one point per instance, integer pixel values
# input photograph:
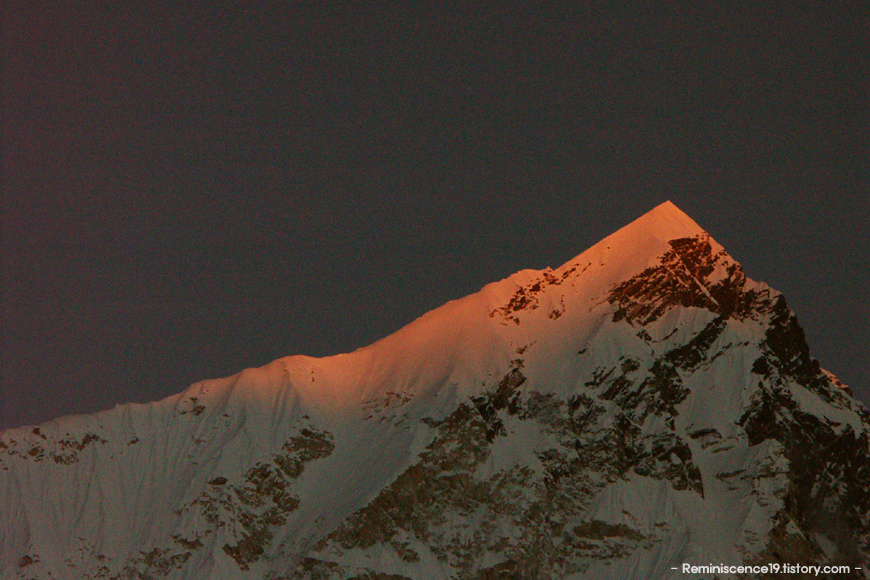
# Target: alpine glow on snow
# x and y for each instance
(643, 406)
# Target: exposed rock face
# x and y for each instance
(642, 406)
(688, 275)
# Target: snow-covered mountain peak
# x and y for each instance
(664, 222)
(639, 245)
(642, 406)
(660, 261)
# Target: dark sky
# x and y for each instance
(187, 193)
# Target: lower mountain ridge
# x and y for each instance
(644, 406)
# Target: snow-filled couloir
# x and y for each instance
(642, 406)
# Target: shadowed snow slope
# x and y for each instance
(643, 405)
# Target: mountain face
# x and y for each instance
(643, 406)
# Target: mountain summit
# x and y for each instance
(641, 407)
